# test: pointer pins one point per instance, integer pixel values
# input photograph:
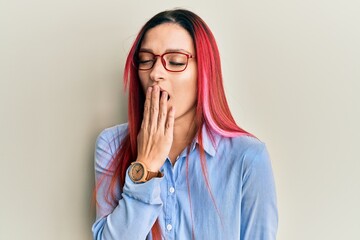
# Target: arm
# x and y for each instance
(139, 204)
(137, 209)
(259, 216)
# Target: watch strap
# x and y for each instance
(151, 175)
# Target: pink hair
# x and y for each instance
(213, 111)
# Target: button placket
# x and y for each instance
(169, 227)
(170, 204)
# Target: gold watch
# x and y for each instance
(139, 173)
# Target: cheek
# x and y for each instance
(192, 83)
(187, 87)
(143, 81)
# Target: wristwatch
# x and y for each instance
(139, 173)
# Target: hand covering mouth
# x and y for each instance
(161, 92)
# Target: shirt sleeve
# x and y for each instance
(259, 216)
(138, 206)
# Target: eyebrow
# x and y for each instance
(167, 50)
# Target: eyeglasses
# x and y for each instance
(172, 61)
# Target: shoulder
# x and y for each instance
(254, 159)
(113, 134)
(107, 143)
(240, 145)
(244, 150)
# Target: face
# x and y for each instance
(181, 86)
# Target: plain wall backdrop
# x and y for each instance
(291, 73)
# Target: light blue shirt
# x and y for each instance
(241, 181)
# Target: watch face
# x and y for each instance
(137, 171)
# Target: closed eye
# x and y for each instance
(177, 63)
(146, 61)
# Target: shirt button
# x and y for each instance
(169, 227)
(171, 190)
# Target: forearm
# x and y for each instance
(134, 215)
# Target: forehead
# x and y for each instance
(167, 36)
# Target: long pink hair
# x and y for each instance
(212, 108)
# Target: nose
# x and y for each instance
(158, 70)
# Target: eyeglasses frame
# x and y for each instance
(163, 62)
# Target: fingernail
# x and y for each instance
(149, 89)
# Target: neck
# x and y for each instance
(184, 132)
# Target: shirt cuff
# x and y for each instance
(148, 192)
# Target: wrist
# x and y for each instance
(150, 164)
(139, 172)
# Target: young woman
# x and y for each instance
(180, 168)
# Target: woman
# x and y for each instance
(180, 168)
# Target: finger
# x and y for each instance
(154, 108)
(169, 128)
(146, 117)
(162, 111)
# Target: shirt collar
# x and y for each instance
(210, 141)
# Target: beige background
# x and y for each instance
(291, 69)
